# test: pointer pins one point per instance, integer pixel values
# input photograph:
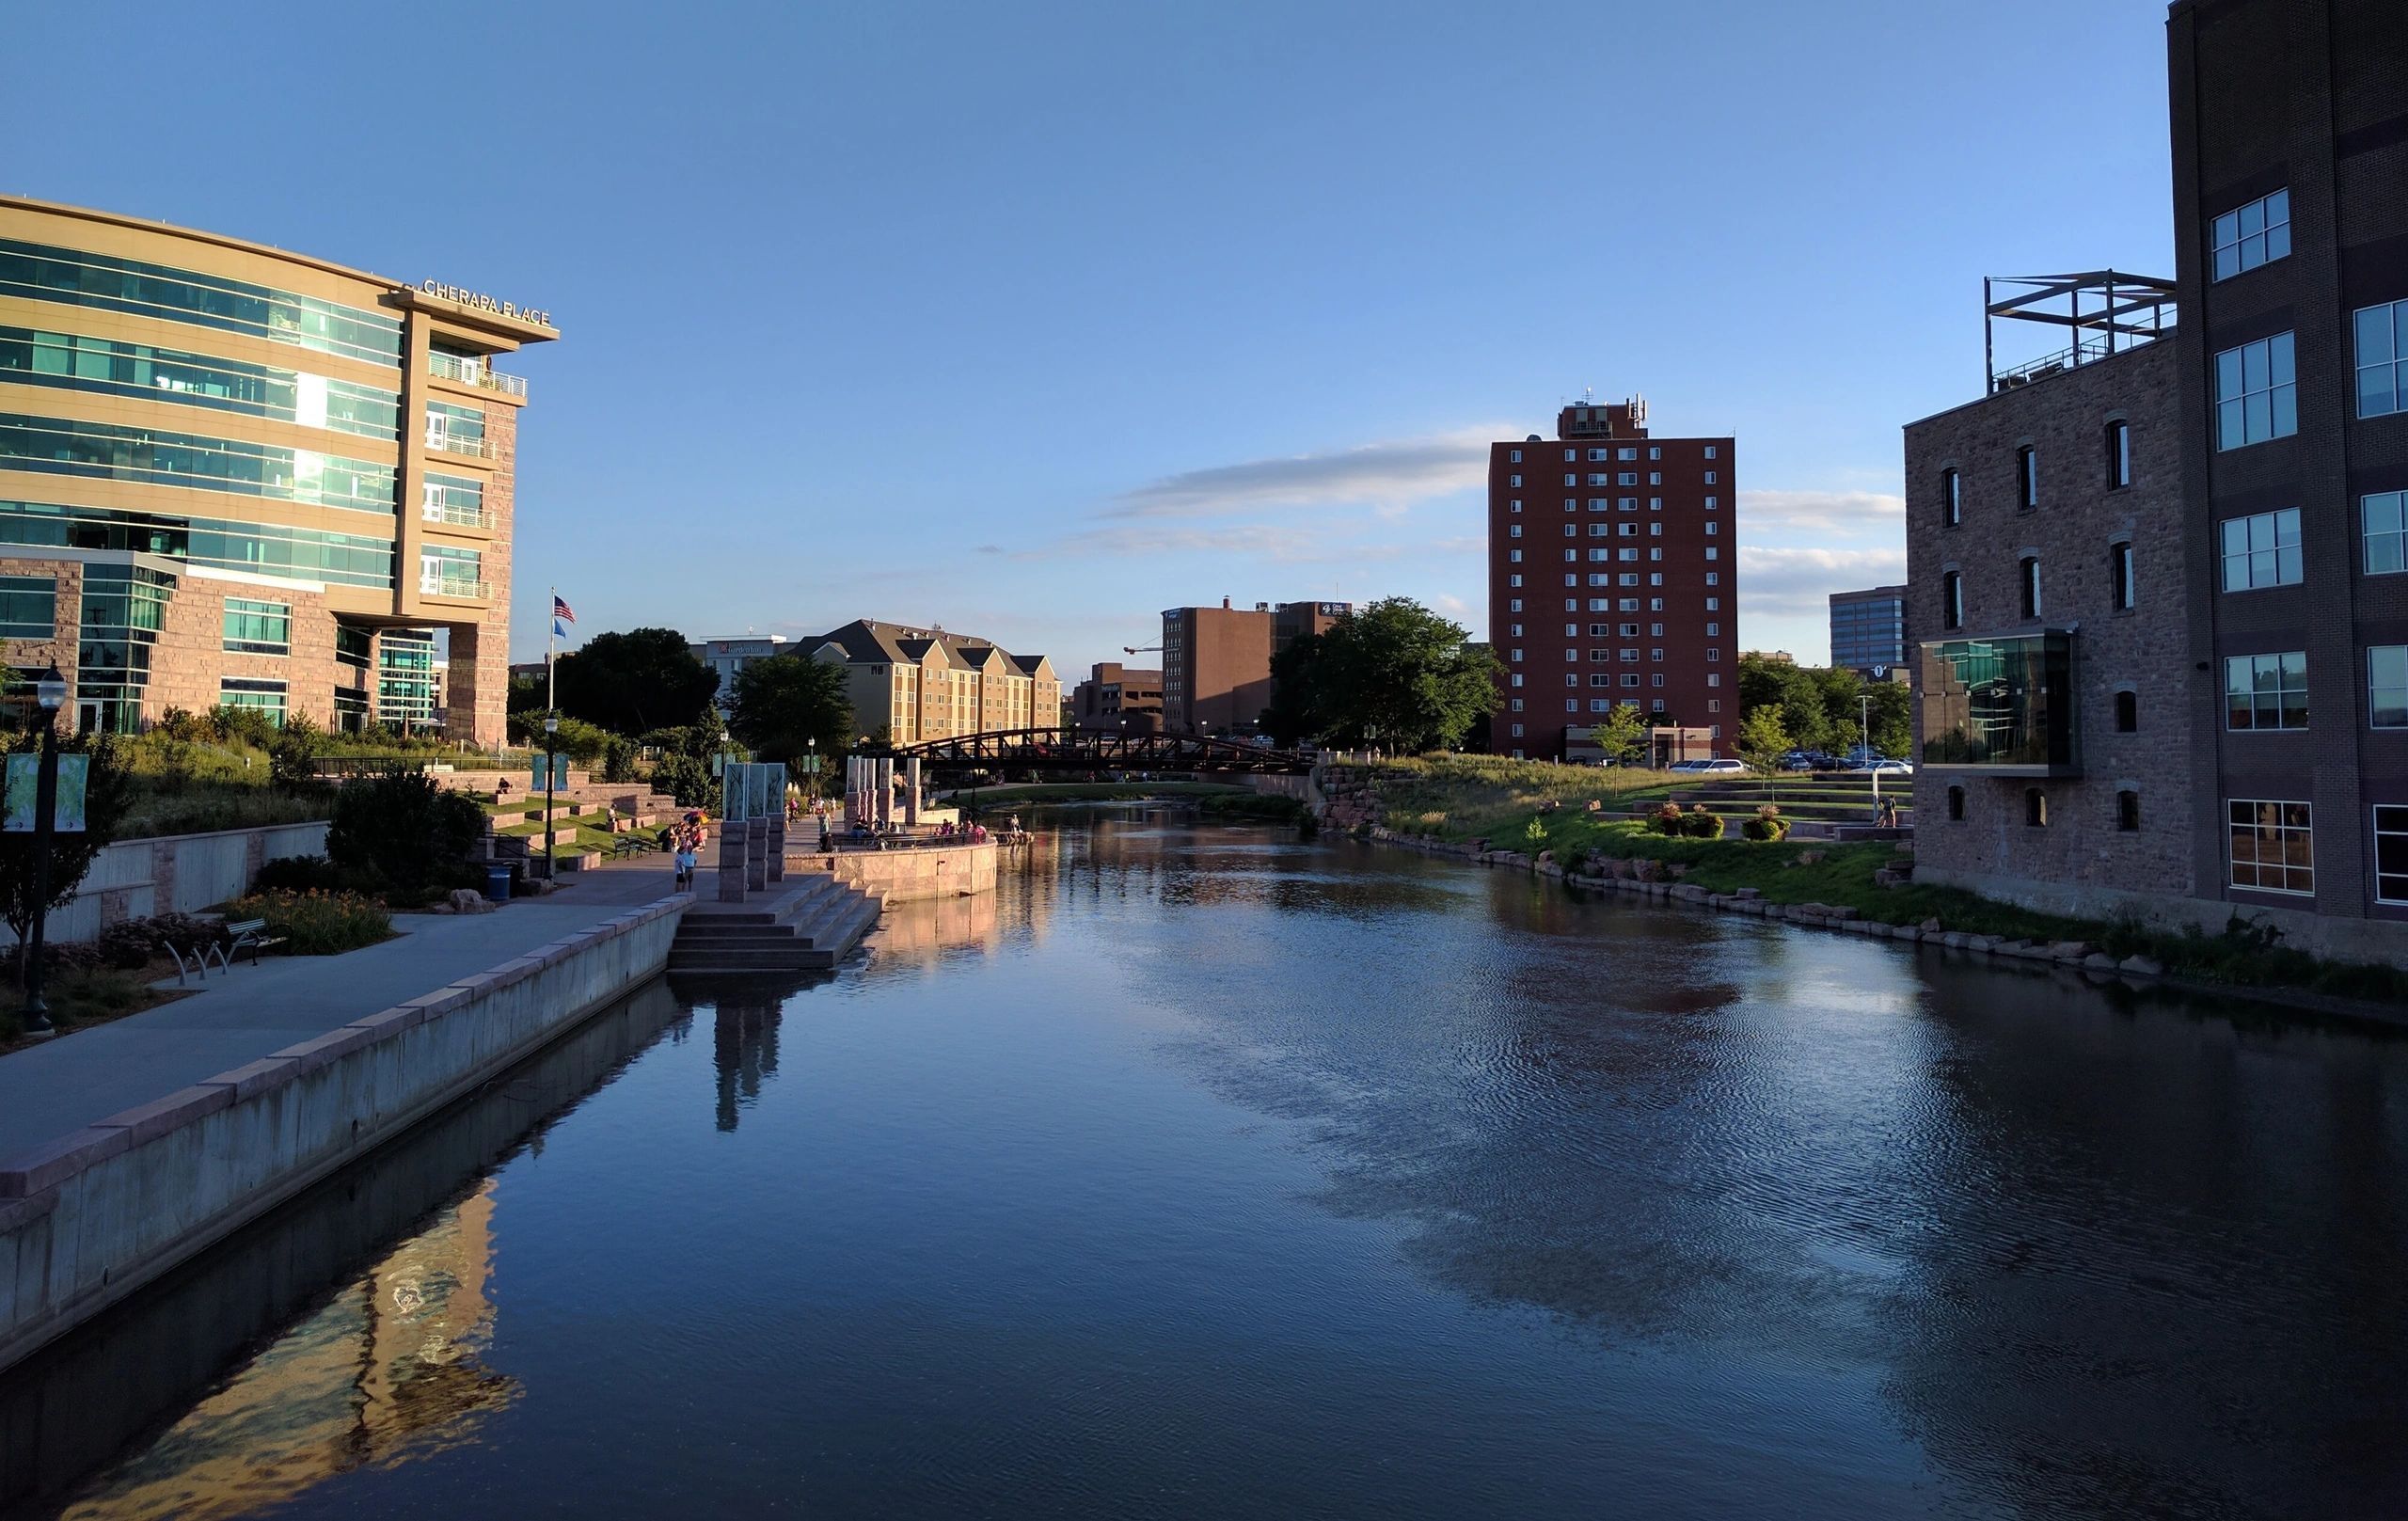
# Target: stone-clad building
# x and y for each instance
(2186, 698)
(2045, 567)
(234, 474)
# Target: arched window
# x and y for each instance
(1952, 600)
(2035, 807)
(2120, 454)
(2027, 478)
(2029, 579)
(1952, 499)
(2125, 595)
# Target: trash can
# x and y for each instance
(498, 883)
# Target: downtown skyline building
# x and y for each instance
(1216, 662)
(232, 474)
(1613, 581)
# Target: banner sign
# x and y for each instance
(752, 791)
(559, 773)
(24, 790)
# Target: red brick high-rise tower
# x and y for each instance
(1613, 577)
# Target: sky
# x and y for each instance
(1033, 320)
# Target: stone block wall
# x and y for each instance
(2072, 533)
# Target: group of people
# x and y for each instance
(685, 839)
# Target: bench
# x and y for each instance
(250, 935)
(630, 845)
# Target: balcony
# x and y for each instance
(453, 443)
(2002, 707)
(451, 516)
(466, 588)
(463, 371)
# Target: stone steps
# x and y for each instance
(808, 928)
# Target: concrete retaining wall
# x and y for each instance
(176, 874)
(906, 876)
(89, 1217)
(1302, 789)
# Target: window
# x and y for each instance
(2027, 478)
(2382, 359)
(353, 646)
(1513, 580)
(1952, 499)
(2274, 846)
(455, 500)
(60, 446)
(28, 606)
(2127, 712)
(2128, 812)
(2266, 691)
(258, 627)
(2262, 550)
(445, 571)
(1514, 456)
(2386, 516)
(2391, 853)
(1957, 805)
(1513, 480)
(267, 696)
(1513, 530)
(1514, 557)
(2036, 808)
(1626, 454)
(1710, 451)
(93, 280)
(1630, 679)
(1514, 606)
(2028, 576)
(2256, 393)
(1516, 505)
(2388, 686)
(2119, 577)
(2248, 236)
(2120, 454)
(1517, 730)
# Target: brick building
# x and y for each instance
(925, 684)
(1115, 696)
(2266, 644)
(1612, 579)
(234, 474)
(2045, 526)
(1216, 662)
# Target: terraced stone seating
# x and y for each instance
(809, 926)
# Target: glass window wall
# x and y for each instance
(61, 445)
(258, 627)
(272, 549)
(2256, 393)
(28, 606)
(2001, 703)
(73, 361)
(39, 272)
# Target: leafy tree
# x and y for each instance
(526, 694)
(404, 829)
(687, 779)
(1394, 675)
(618, 759)
(1796, 690)
(631, 682)
(108, 792)
(1622, 736)
(785, 703)
(1893, 715)
(292, 755)
(1763, 740)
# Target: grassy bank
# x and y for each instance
(1466, 798)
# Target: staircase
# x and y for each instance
(811, 926)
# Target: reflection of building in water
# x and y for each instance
(921, 933)
(387, 1371)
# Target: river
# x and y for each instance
(1203, 1171)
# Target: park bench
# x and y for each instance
(630, 845)
(250, 935)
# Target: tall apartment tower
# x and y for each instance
(1612, 579)
(2291, 214)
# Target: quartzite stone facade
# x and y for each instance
(2080, 851)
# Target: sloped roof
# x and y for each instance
(867, 640)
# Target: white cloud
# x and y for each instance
(1827, 511)
(1384, 476)
(1780, 581)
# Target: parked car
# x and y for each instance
(1717, 768)
(1797, 760)
(1888, 768)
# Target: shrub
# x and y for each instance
(133, 943)
(1667, 819)
(1767, 825)
(229, 725)
(317, 924)
(404, 828)
(1536, 834)
(300, 874)
(1702, 823)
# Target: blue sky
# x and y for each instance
(1034, 319)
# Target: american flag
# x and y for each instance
(559, 609)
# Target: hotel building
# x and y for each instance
(727, 658)
(2162, 587)
(234, 474)
(923, 683)
(1612, 579)
(1216, 662)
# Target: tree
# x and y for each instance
(1622, 736)
(646, 678)
(1893, 715)
(1798, 690)
(1394, 675)
(108, 792)
(786, 703)
(1763, 740)
(404, 829)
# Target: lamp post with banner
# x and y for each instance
(552, 774)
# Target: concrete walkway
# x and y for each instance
(237, 1018)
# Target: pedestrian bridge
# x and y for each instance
(1093, 749)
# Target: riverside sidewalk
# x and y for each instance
(50, 1090)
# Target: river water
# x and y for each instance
(1204, 1172)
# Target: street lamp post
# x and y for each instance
(551, 766)
(1864, 729)
(50, 690)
